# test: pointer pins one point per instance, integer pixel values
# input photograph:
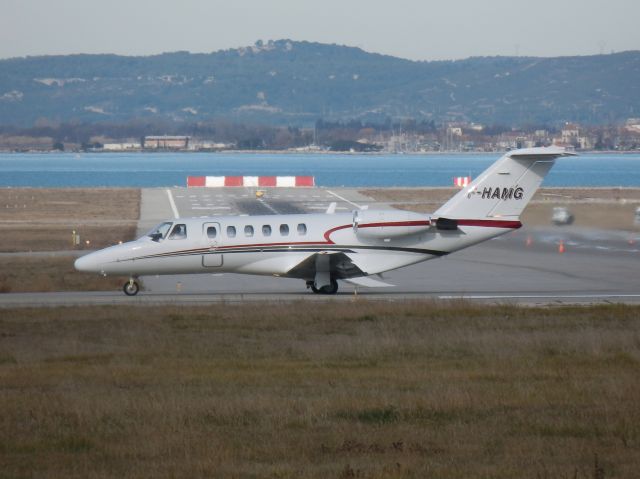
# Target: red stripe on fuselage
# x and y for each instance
(329, 241)
(490, 223)
(328, 232)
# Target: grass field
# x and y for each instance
(356, 390)
(35, 219)
(43, 273)
(42, 220)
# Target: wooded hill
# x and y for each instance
(296, 83)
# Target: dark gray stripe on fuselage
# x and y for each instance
(293, 249)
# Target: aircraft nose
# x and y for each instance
(87, 263)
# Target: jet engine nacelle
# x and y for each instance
(381, 224)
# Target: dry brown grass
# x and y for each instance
(72, 204)
(365, 390)
(440, 195)
(44, 273)
(602, 208)
(49, 237)
(403, 195)
(598, 216)
(33, 219)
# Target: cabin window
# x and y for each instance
(212, 232)
(231, 231)
(266, 230)
(179, 231)
(302, 229)
(248, 231)
(284, 230)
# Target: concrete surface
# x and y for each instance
(525, 266)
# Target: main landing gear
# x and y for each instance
(131, 287)
(327, 289)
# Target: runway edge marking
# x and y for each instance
(173, 204)
(343, 199)
(540, 296)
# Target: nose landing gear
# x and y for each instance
(131, 287)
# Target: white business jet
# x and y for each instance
(324, 248)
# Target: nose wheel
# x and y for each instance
(131, 287)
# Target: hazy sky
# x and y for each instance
(415, 29)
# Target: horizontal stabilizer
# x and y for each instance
(369, 282)
(541, 152)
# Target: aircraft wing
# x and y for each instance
(353, 268)
(340, 266)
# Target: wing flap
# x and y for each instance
(369, 282)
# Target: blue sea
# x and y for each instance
(169, 169)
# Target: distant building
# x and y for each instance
(633, 125)
(210, 145)
(166, 142)
(120, 146)
(541, 134)
(570, 134)
(512, 140)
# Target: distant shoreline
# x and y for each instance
(329, 169)
(290, 152)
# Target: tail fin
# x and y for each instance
(504, 189)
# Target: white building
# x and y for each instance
(166, 142)
(121, 146)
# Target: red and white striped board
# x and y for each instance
(251, 181)
(461, 181)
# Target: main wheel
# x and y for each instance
(327, 289)
(131, 288)
(331, 288)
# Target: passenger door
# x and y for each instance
(211, 234)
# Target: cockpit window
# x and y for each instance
(160, 231)
(179, 231)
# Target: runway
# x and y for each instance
(158, 204)
(549, 265)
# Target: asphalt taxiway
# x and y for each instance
(542, 265)
(551, 263)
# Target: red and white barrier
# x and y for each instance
(251, 181)
(461, 181)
